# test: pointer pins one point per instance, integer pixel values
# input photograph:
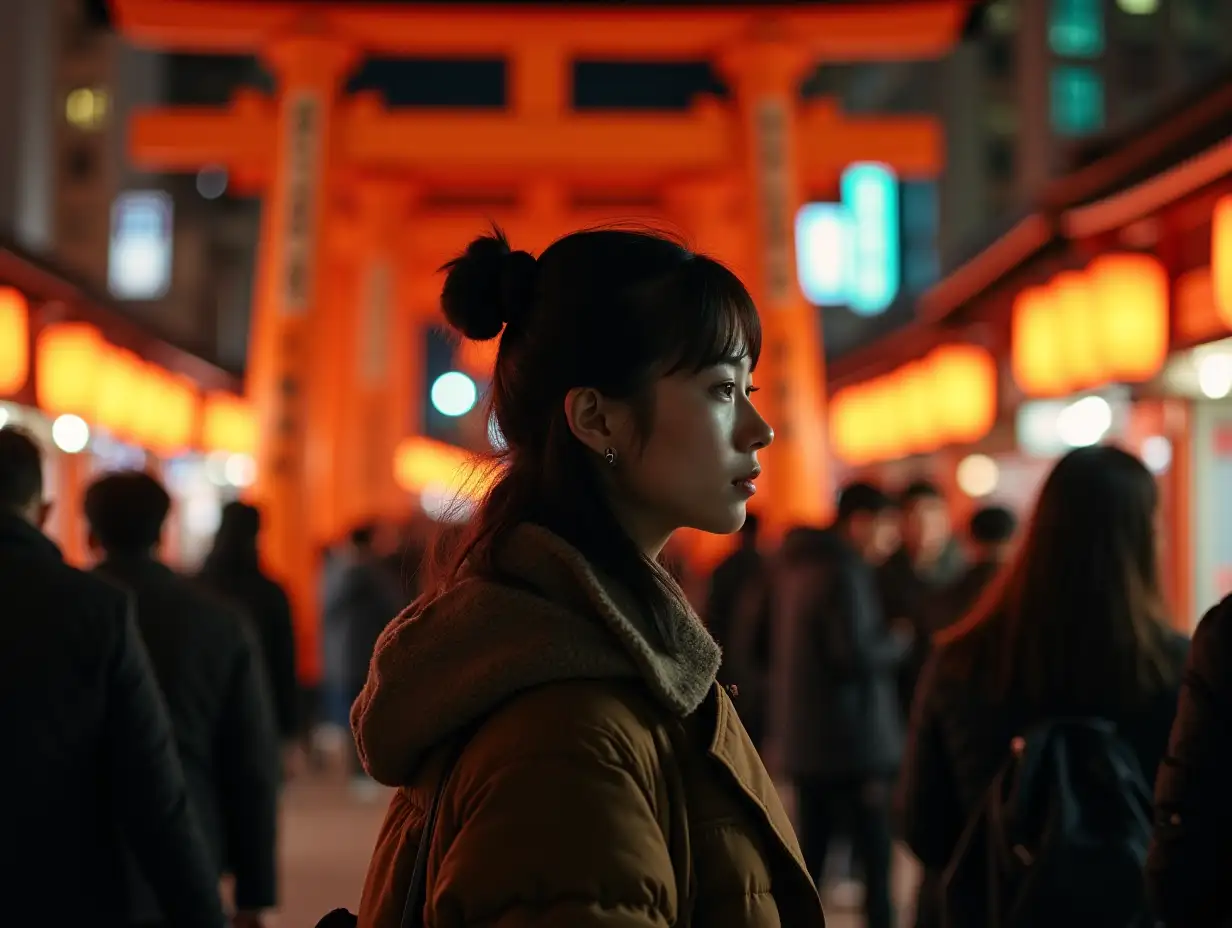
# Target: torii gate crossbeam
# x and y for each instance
(456, 148)
(855, 31)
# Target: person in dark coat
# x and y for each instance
(991, 531)
(361, 597)
(208, 665)
(1191, 855)
(914, 580)
(1075, 627)
(834, 708)
(90, 762)
(233, 569)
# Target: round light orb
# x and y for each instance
(454, 394)
(977, 475)
(70, 433)
(1215, 375)
(1157, 454)
(212, 182)
(1084, 422)
(240, 470)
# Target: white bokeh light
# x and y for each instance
(240, 470)
(977, 475)
(70, 433)
(454, 394)
(1215, 375)
(1084, 422)
(1157, 453)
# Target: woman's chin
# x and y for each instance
(725, 521)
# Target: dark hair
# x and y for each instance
(1077, 619)
(918, 490)
(126, 511)
(361, 535)
(235, 542)
(21, 469)
(860, 498)
(614, 309)
(993, 525)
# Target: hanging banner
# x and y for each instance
(304, 127)
(770, 150)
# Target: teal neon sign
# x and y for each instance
(848, 253)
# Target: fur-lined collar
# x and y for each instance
(438, 668)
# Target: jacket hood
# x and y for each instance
(551, 618)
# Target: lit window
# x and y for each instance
(1076, 28)
(86, 108)
(1077, 96)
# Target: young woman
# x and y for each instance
(1074, 627)
(606, 779)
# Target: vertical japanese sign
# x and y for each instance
(772, 165)
(374, 335)
(373, 369)
(303, 126)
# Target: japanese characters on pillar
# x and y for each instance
(386, 205)
(765, 73)
(308, 70)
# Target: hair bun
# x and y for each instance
(487, 286)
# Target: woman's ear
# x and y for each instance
(599, 422)
(589, 415)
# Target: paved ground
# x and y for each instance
(328, 834)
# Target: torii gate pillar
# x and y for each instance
(288, 309)
(765, 74)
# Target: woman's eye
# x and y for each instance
(726, 390)
(751, 390)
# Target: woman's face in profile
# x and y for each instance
(699, 463)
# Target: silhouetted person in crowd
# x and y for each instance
(835, 715)
(1191, 855)
(89, 762)
(208, 665)
(991, 532)
(915, 579)
(233, 569)
(738, 616)
(1074, 628)
(361, 597)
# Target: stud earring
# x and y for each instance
(609, 455)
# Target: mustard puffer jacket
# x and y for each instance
(609, 781)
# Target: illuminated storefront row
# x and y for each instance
(1107, 317)
(101, 396)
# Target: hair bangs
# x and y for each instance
(711, 319)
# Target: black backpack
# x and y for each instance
(1060, 837)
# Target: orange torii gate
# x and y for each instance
(306, 145)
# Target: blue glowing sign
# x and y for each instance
(870, 193)
(847, 254)
(823, 238)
